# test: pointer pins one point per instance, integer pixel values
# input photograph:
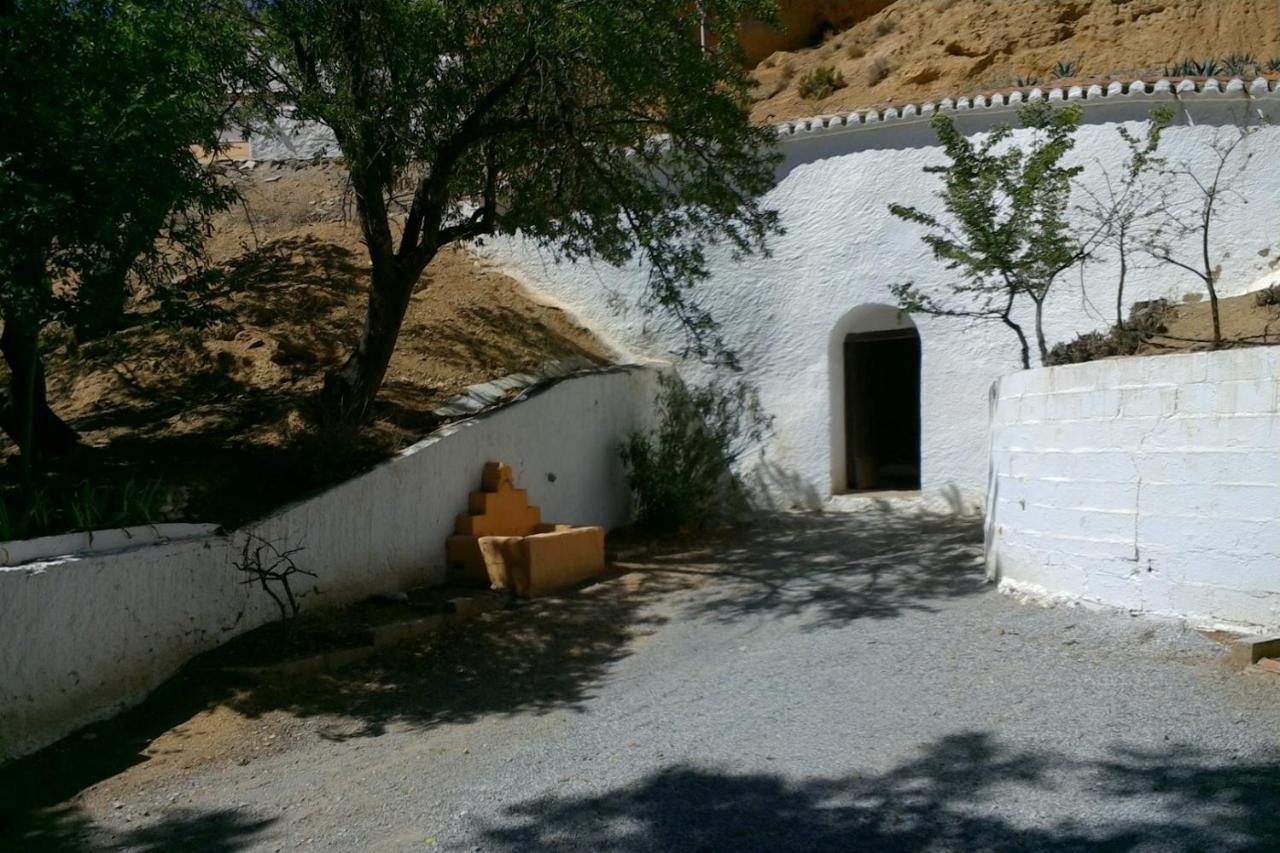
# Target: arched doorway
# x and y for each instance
(875, 401)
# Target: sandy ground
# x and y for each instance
(819, 682)
(911, 51)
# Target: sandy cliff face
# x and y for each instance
(914, 50)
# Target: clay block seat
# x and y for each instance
(503, 543)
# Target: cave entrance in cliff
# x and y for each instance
(882, 410)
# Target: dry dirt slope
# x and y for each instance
(223, 414)
(915, 50)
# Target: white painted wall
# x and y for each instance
(1151, 484)
(843, 250)
(86, 630)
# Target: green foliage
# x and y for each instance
(101, 105)
(1146, 320)
(598, 130)
(1268, 297)
(1065, 69)
(81, 506)
(1024, 82)
(820, 83)
(681, 472)
(1273, 64)
(1239, 64)
(1006, 234)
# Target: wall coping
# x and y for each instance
(1116, 91)
(21, 553)
(32, 554)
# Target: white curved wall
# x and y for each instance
(1151, 484)
(842, 250)
(86, 629)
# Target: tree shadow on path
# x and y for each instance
(830, 569)
(957, 796)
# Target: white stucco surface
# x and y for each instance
(842, 250)
(1150, 484)
(88, 629)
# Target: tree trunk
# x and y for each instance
(27, 419)
(1124, 271)
(1040, 341)
(349, 391)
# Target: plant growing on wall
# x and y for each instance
(682, 472)
(597, 130)
(1005, 232)
(1127, 206)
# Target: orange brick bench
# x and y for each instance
(503, 543)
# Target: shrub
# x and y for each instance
(877, 69)
(884, 26)
(1273, 64)
(1268, 297)
(84, 505)
(681, 472)
(1065, 69)
(1239, 64)
(820, 83)
(1146, 319)
(855, 51)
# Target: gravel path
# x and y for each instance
(842, 682)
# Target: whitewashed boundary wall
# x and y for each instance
(87, 629)
(831, 272)
(1150, 484)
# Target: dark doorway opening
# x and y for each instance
(882, 410)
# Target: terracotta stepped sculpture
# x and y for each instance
(503, 542)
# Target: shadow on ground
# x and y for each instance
(548, 655)
(1174, 802)
(829, 570)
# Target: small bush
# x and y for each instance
(883, 27)
(1239, 64)
(877, 69)
(82, 506)
(820, 83)
(855, 51)
(1273, 64)
(1146, 319)
(681, 472)
(1065, 69)
(1268, 297)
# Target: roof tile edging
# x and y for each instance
(1096, 91)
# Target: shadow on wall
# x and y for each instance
(774, 488)
(943, 800)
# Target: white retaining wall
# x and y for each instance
(830, 274)
(1151, 484)
(90, 628)
(786, 315)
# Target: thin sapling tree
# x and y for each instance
(1005, 232)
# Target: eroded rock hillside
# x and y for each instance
(895, 51)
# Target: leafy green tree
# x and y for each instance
(598, 129)
(1006, 232)
(101, 104)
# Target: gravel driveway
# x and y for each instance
(842, 682)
